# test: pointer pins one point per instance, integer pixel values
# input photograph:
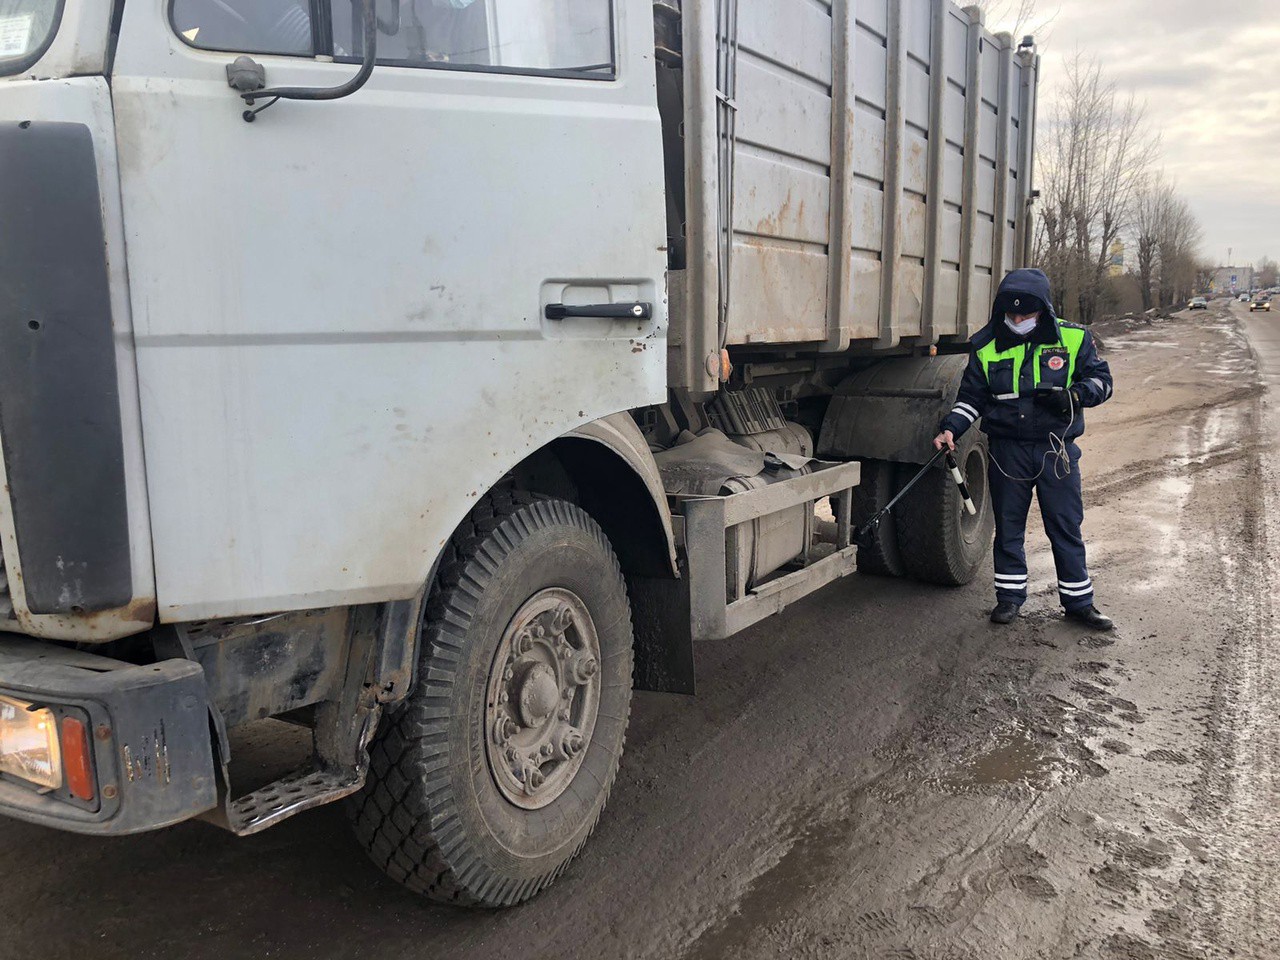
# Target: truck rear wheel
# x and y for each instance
(491, 776)
(880, 556)
(941, 543)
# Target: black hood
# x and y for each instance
(1022, 291)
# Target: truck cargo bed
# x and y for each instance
(861, 170)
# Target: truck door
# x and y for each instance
(340, 308)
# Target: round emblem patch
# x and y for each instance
(1056, 363)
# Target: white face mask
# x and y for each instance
(1021, 328)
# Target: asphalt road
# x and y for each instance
(879, 772)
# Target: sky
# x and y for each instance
(1209, 73)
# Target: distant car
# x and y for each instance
(1243, 298)
(1260, 302)
(1198, 303)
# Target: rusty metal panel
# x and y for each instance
(952, 221)
(910, 280)
(782, 201)
(779, 200)
(868, 151)
(778, 113)
(947, 307)
(915, 160)
(915, 94)
(779, 292)
(866, 273)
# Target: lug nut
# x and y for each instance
(562, 620)
(535, 779)
(590, 667)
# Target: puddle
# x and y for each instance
(1014, 758)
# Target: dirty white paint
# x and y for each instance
(338, 308)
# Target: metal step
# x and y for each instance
(283, 798)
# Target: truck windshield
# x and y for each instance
(26, 28)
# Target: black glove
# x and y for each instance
(1059, 402)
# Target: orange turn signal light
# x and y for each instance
(77, 767)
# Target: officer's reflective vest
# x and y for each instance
(1070, 339)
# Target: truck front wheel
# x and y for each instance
(491, 776)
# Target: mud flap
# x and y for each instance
(660, 613)
(890, 411)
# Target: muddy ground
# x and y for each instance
(879, 772)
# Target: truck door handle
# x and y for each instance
(639, 310)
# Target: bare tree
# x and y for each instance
(1266, 272)
(1149, 209)
(1096, 157)
(1178, 249)
(1167, 235)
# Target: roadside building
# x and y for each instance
(1232, 280)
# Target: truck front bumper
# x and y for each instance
(149, 741)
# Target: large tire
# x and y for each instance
(880, 555)
(940, 542)
(478, 792)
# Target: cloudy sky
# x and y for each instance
(1210, 75)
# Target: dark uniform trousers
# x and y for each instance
(1061, 508)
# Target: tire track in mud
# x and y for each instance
(1117, 483)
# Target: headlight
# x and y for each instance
(29, 743)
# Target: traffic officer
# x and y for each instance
(1029, 378)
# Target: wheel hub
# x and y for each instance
(542, 696)
(538, 696)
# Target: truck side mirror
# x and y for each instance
(243, 72)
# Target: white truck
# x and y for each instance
(429, 373)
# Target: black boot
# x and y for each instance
(1091, 617)
(1005, 612)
